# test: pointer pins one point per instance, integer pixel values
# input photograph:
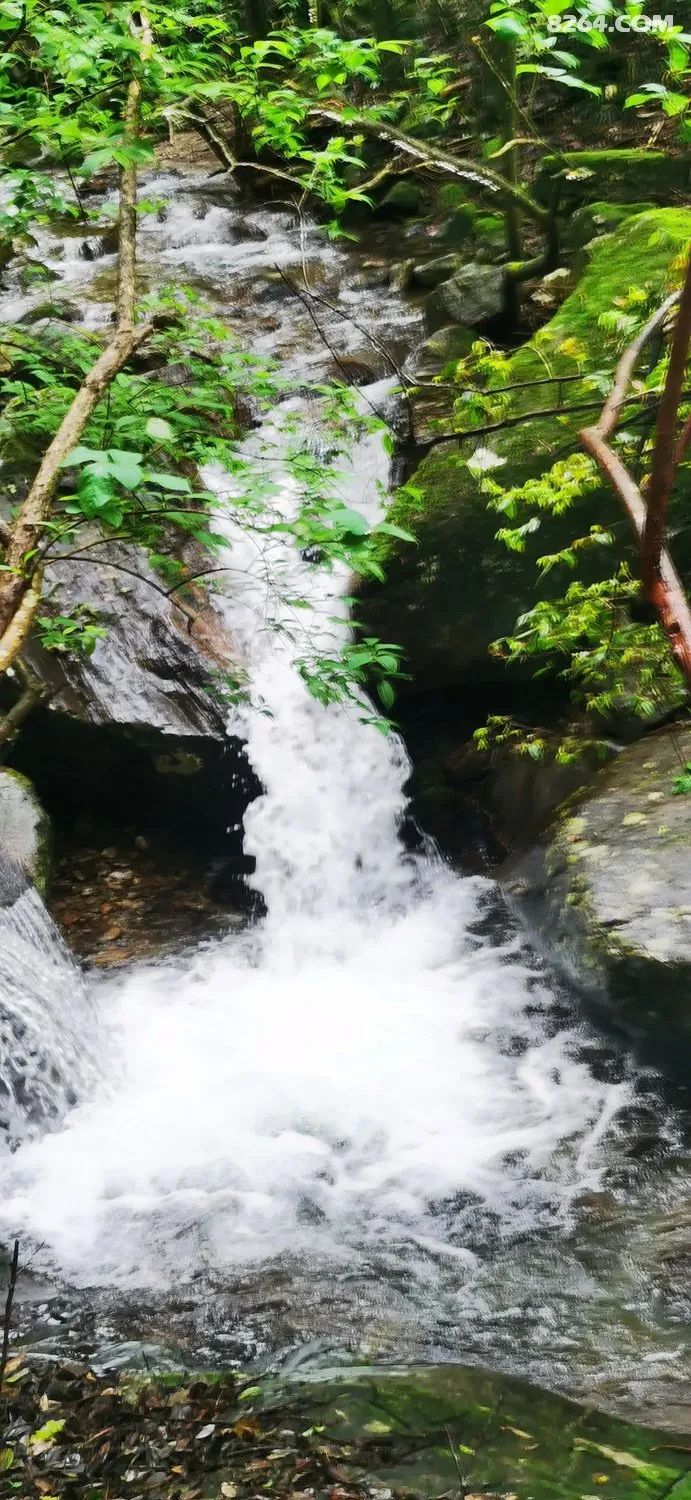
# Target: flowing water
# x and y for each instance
(371, 1120)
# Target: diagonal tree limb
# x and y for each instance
(434, 159)
(662, 585)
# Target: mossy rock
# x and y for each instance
(621, 175)
(444, 1430)
(25, 828)
(608, 890)
(448, 597)
(59, 307)
(459, 227)
(430, 273)
(402, 200)
(599, 218)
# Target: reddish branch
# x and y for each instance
(662, 586)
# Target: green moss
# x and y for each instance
(600, 218)
(627, 175)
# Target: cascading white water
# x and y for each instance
(48, 1041)
(355, 1066)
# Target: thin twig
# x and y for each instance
(7, 1319)
(644, 399)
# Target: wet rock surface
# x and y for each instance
(25, 831)
(608, 890)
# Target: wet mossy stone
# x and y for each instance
(441, 349)
(25, 829)
(607, 891)
(459, 226)
(444, 1430)
(429, 273)
(621, 175)
(445, 599)
(58, 307)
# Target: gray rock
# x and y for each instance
(441, 349)
(25, 837)
(150, 672)
(430, 273)
(608, 889)
(474, 297)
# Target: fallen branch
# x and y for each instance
(434, 159)
(662, 586)
(12, 721)
(663, 466)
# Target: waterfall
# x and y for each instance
(361, 1065)
(47, 1030)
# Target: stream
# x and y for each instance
(370, 1125)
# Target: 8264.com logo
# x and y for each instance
(642, 24)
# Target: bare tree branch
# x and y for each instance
(661, 583)
(664, 463)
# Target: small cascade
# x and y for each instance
(48, 1034)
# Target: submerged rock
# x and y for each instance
(25, 835)
(608, 889)
(446, 1430)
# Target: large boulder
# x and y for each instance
(607, 890)
(445, 599)
(25, 836)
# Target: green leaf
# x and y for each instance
(386, 694)
(250, 1392)
(507, 25)
(351, 520)
(80, 456)
(169, 482)
(388, 529)
(49, 1431)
